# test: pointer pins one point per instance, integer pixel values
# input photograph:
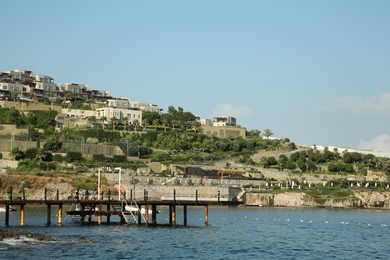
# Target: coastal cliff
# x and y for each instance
(361, 199)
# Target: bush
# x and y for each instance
(58, 158)
(73, 157)
(31, 153)
(119, 158)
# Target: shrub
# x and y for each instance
(73, 157)
(31, 153)
(58, 158)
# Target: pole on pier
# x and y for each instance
(58, 195)
(185, 215)
(206, 215)
(22, 215)
(23, 194)
(7, 214)
(219, 196)
(59, 215)
(119, 184)
(109, 206)
(154, 214)
(99, 184)
(196, 196)
(10, 194)
(45, 194)
(48, 213)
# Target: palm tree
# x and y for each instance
(113, 120)
(103, 119)
(125, 121)
(92, 119)
(268, 133)
(14, 96)
(135, 124)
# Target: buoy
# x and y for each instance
(245, 217)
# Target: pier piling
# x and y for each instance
(59, 216)
(206, 215)
(48, 212)
(22, 215)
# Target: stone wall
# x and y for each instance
(300, 199)
(28, 106)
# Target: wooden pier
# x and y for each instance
(106, 207)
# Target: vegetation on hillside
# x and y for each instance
(315, 161)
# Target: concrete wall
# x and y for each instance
(164, 186)
(86, 149)
(28, 106)
(11, 129)
(8, 164)
(7, 145)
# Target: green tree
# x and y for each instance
(44, 156)
(268, 133)
(17, 154)
(282, 161)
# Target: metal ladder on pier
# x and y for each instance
(129, 210)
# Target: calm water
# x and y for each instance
(233, 233)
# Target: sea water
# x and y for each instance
(233, 233)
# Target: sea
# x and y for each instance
(232, 233)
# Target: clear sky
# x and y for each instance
(317, 72)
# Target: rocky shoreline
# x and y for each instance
(15, 234)
(365, 200)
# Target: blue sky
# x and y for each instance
(314, 71)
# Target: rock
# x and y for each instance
(14, 234)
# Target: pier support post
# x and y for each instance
(59, 216)
(170, 215)
(185, 215)
(147, 213)
(173, 215)
(139, 217)
(7, 214)
(48, 214)
(82, 217)
(99, 217)
(206, 215)
(22, 215)
(154, 214)
(90, 213)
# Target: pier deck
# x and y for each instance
(111, 207)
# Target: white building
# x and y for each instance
(224, 121)
(76, 88)
(203, 121)
(145, 106)
(119, 108)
